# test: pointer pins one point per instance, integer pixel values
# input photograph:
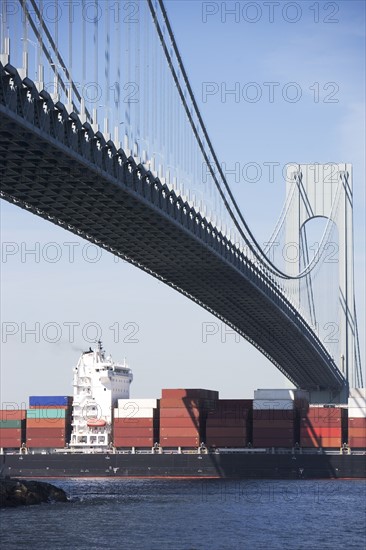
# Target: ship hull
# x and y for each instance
(223, 465)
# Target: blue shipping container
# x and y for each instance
(47, 400)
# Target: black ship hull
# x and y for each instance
(223, 465)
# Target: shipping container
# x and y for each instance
(46, 413)
(272, 405)
(134, 442)
(272, 414)
(10, 433)
(357, 432)
(50, 400)
(47, 443)
(137, 422)
(59, 407)
(185, 422)
(226, 422)
(34, 433)
(180, 432)
(185, 442)
(225, 432)
(193, 393)
(275, 442)
(187, 403)
(357, 412)
(357, 422)
(47, 423)
(14, 443)
(226, 442)
(137, 404)
(325, 442)
(11, 424)
(321, 432)
(272, 423)
(357, 442)
(273, 432)
(12, 414)
(180, 412)
(133, 432)
(135, 413)
(281, 394)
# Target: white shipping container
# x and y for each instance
(356, 413)
(282, 394)
(134, 412)
(273, 404)
(141, 403)
(358, 393)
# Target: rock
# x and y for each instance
(15, 492)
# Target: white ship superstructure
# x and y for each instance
(98, 383)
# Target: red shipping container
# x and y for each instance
(44, 407)
(10, 433)
(273, 423)
(134, 442)
(273, 414)
(328, 442)
(12, 414)
(11, 443)
(186, 403)
(183, 422)
(357, 422)
(325, 413)
(226, 423)
(180, 441)
(321, 432)
(225, 432)
(226, 441)
(137, 422)
(278, 442)
(357, 442)
(47, 423)
(180, 413)
(179, 432)
(133, 432)
(272, 433)
(34, 433)
(54, 442)
(357, 432)
(195, 393)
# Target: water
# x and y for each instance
(193, 515)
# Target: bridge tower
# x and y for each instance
(325, 190)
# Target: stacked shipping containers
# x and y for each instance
(275, 417)
(323, 426)
(228, 425)
(49, 421)
(12, 428)
(357, 418)
(183, 415)
(136, 423)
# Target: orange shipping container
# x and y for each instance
(357, 432)
(180, 413)
(179, 432)
(35, 433)
(137, 422)
(179, 393)
(180, 441)
(328, 442)
(321, 432)
(357, 422)
(47, 423)
(182, 422)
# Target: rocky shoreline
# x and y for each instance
(15, 492)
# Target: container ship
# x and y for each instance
(187, 433)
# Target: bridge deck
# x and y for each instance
(63, 172)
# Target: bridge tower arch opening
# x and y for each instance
(325, 191)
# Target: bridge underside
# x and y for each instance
(63, 172)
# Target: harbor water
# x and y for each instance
(193, 515)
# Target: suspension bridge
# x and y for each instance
(101, 134)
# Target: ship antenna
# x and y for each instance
(100, 346)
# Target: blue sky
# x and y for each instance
(169, 352)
